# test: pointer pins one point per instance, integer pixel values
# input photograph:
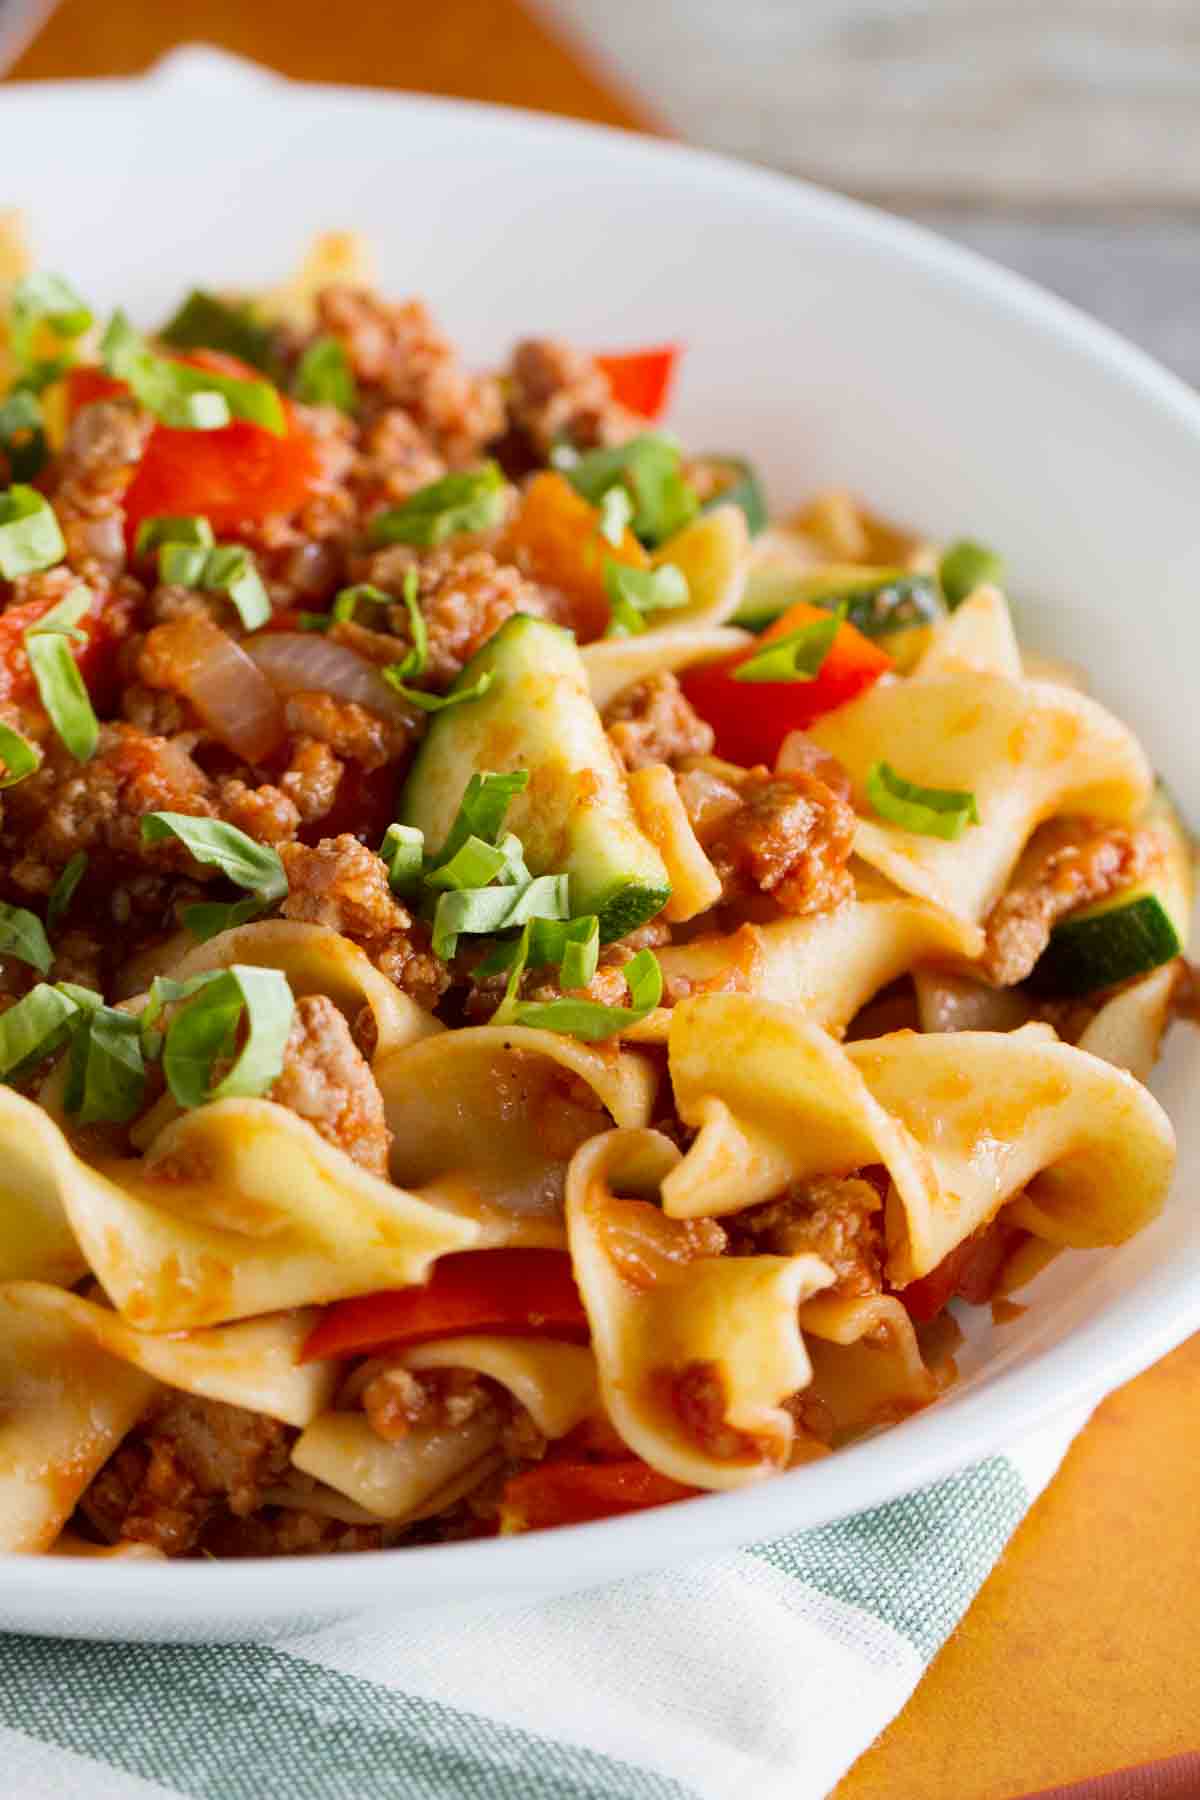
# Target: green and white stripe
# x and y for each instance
(764, 1673)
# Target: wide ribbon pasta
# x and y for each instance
(65, 1405)
(486, 1120)
(616, 663)
(826, 966)
(1026, 750)
(964, 1123)
(240, 1208)
(687, 1337)
(867, 1365)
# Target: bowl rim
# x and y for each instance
(1100, 1353)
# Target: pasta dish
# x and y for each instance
(529, 988)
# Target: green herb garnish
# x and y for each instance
(585, 1019)
(190, 528)
(929, 811)
(30, 538)
(966, 566)
(34, 1028)
(204, 1032)
(23, 935)
(43, 299)
(632, 593)
(22, 435)
(206, 322)
(650, 469)
(468, 500)
(63, 891)
(324, 376)
(19, 757)
(796, 656)
(106, 1073)
(171, 390)
(224, 847)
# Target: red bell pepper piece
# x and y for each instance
(970, 1272)
(233, 476)
(751, 719)
(570, 1493)
(523, 1293)
(641, 379)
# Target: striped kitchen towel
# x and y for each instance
(760, 1676)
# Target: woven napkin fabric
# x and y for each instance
(759, 1676)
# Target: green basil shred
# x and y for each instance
(324, 376)
(796, 656)
(632, 593)
(19, 757)
(928, 811)
(30, 538)
(468, 500)
(243, 1002)
(169, 389)
(650, 468)
(63, 891)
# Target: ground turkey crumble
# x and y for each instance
(342, 884)
(786, 835)
(326, 1081)
(1070, 863)
(655, 722)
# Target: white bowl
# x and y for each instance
(832, 344)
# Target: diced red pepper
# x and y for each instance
(233, 476)
(96, 656)
(570, 1493)
(970, 1272)
(751, 719)
(641, 379)
(523, 1293)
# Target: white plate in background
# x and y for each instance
(828, 342)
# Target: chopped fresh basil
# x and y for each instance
(230, 569)
(22, 434)
(966, 566)
(433, 703)
(206, 322)
(414, 661)
(634, 592)
(403, 850)
(929, 811)
(224, 847)
(616, 513)
(796, 656)
(571, 945)
(169, 389)
(64, 616)
(204, 1031)
(30, 538)
(474, 866)
(163, 529)
(483, 910)
(23, 935)
(43, 299)
(314, 621)
(34, 1028)
(587, 1019)
(226, 569)
(742, 488)
(468, 500)
(182, 565)
(481, 811)
(62, 692)
(363, 593)
(324, 376)
(209, 918)
(62, 893)
(649, 467)
(106, 1073)
(19, 757)
(164, 991)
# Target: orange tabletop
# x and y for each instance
(1081, 1653)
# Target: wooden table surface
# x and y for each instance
(1081, 1652)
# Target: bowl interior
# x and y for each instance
(831, 344)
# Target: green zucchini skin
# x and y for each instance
(892, 602)
(1129, 934)
(575, 817)
(743, 489)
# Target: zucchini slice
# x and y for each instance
(878, 602)
(575, 817)
(1130, 933)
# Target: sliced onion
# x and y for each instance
(193, 657)
(304, 662)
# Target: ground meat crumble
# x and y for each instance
(654, 722)
(787, 835)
